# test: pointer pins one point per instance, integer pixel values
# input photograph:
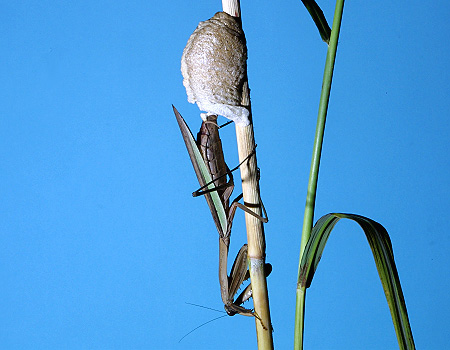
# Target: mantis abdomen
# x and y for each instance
(210, 145)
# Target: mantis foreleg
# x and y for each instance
(230, 285)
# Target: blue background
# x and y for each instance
(101, 242)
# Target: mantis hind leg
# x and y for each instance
(245, 207)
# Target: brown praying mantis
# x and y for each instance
(207, 157)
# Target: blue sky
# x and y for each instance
(101, 241)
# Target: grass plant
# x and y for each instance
(313, 237)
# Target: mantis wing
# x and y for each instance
(204, 177)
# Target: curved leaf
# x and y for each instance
(383, 254)
(319, 19)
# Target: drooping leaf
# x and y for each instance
(319, 19)
(383, 254)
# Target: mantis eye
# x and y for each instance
(214, 67)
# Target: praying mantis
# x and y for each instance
(208, 160)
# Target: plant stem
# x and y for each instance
(255, 237)
(314, 172)
(232, 7)
(255, 229)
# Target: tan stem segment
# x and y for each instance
(255, 230)
(232, 7)
(255, 236)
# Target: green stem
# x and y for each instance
(314, 172)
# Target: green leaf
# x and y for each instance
(319, 19)
(383, 254)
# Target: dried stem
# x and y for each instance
(255, 229)
(232, 7)
(255, 236)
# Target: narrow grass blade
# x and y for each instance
(203, 175)
(383, 254)
(319, 19)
